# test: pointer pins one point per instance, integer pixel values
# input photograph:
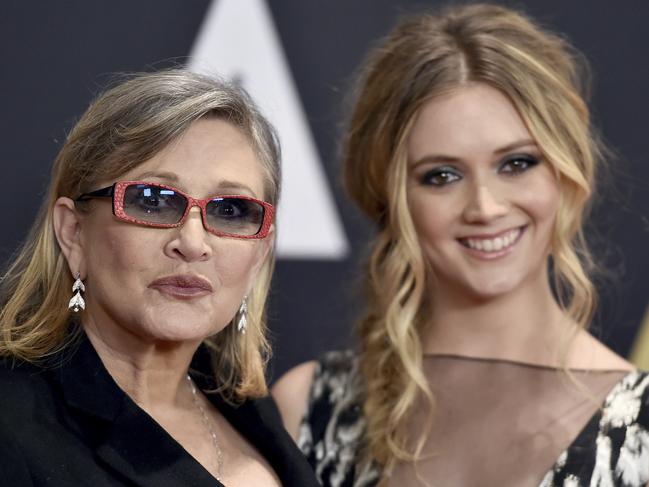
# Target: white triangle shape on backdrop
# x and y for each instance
(238, 40)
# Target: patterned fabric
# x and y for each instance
(331, 434)
(611, 451)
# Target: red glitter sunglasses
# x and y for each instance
(161, 206)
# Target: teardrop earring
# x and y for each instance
(77, 302)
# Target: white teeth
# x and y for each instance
(475, 244)
(494, 244)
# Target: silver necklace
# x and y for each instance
(210, 430)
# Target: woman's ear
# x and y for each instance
(67, 228)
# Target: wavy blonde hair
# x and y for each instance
(425, 56)
(124, 127)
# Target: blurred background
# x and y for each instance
(298, 58)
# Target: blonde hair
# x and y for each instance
(124, 127)
(423, 57)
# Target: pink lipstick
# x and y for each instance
(490, 247)
(182, 286)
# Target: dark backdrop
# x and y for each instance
(57, 55)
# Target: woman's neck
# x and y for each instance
(152, 374)
(525, 324)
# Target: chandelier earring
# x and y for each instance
(242, 316)
(77, 302)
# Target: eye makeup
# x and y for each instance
(440, 176)
(514, 164)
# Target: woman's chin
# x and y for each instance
(483, 290)
(181, 328)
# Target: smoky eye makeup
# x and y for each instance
(519, 163)
(439, 176)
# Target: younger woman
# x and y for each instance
(470, 147)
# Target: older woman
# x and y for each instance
(133, 317)
(470, 146)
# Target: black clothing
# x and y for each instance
(69, 424)
(610, 450)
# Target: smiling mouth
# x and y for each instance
(494, 245)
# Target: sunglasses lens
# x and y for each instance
(237, 216)
(153, 204)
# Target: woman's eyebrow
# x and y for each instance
(446, 159)
(516, 145)
(168, 176)
(435, 159)
(223, 186)
(234, 186)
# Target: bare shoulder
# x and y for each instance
(291, 392)
(590, 353)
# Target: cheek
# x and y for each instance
(122, 254)
(433, 217)
(235, 261)
(120, 264)
(542, 200)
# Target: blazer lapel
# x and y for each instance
(127, 439)
(140, 451)
(143, 452)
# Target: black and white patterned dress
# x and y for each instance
(611, 450)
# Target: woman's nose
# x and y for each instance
(190, 241)
(484, 204)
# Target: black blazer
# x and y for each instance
(69, 424)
